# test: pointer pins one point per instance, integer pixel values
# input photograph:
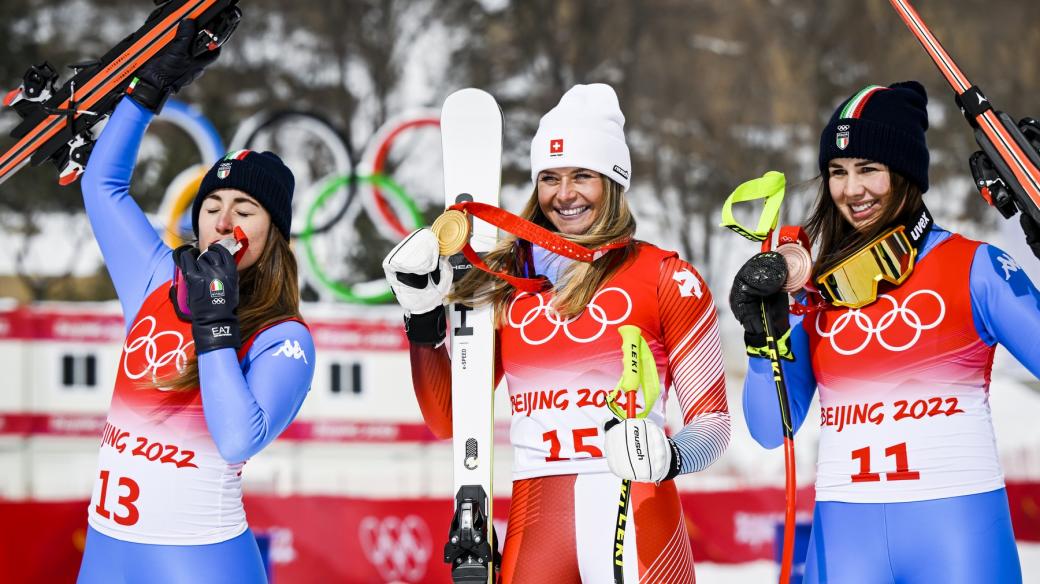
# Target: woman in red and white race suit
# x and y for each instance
(559, 350)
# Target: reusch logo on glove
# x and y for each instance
(216, 291)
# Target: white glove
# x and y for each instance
(638, 450)
(418, 275)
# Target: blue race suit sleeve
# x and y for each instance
(248, 404)
(761, 407)
(137, 259)
(1005, 305)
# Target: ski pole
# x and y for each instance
(639, 370)
(770, 187)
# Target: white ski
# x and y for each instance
(471, 137)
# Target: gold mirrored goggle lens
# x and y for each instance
(854, 282)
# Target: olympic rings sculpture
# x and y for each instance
(329, 193)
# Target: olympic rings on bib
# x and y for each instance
(866, 325)
(596, 312)
(149, 341)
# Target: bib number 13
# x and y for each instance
(896, 451)
(125, 500)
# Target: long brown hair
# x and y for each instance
(268, 292)
(579, 281)
(836, 238)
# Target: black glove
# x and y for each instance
(1032, 231)
(759, 280)
(172, 69)
(212, 281)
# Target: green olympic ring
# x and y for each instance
(349, 293)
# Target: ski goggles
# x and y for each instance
(854, 282)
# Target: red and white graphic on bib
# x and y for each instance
(898, 379)
(160, 478)
(560, 370)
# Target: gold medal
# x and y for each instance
(452, 231)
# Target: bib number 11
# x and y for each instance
(902, 472)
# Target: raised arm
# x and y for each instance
(136, 258)
(1006, 305)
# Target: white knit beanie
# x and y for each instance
(586, 130)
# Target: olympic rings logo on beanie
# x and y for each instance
(882, 124)
(261, 175)
(585, 130)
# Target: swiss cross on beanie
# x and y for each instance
(883, 124)
(585, 130)
(261, 175)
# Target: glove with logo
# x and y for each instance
(171, 70)
(760, 280)
(420, 280)
(1032, 231)
(638, 450)
(212, 281)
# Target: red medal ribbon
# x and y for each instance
(540, 236)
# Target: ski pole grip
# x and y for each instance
(452, 229)
(631, 337)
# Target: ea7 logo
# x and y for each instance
(220, 331)
(292, 350)
(689, 285)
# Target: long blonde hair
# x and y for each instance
(579, 281)
(268, 293)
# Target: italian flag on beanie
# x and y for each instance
(883, 124)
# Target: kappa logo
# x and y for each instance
(1009, 265)
(224, 170)
(555, 147)
(292, 350)
(841, 140)
(899, 318)
(400, 548)
(689, 285)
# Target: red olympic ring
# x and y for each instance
(382, 205)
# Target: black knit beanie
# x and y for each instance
(883, 124)
(261, 175)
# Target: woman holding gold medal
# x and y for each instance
(558, 348)
(897, 330)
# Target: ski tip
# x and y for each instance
(470, 95)
(12, 96)
(69, 177)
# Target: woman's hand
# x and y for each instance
(420, 279)
(761, 280)
(639, 450)
(212, 281)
